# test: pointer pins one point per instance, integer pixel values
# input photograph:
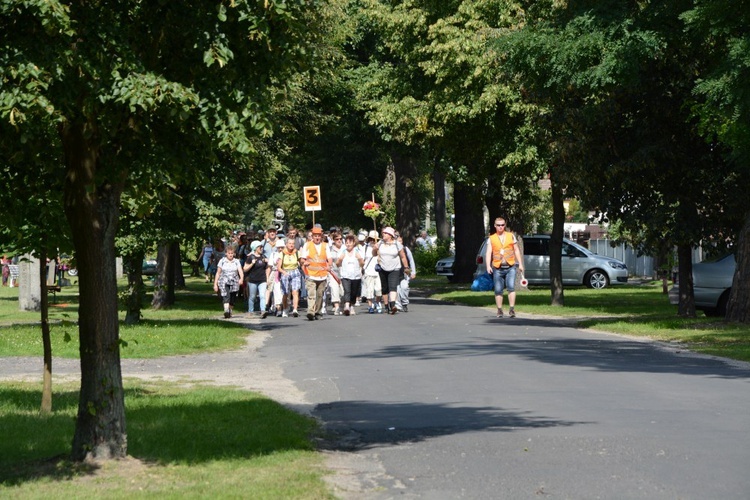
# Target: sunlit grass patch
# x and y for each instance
(183, 442)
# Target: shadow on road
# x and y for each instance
(604, 355)
(358, 425)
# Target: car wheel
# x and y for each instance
(596, 279)
(721, 306)
(710, 312)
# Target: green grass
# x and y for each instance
(636, 310)
(187, 443)
(188, 327)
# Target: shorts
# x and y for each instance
(291, 281)
(504, 278)
(371, 287)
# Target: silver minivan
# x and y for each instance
(580, 266)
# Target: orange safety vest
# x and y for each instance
(318, 267)
(503, 249)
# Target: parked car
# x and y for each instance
(148, 267)
(580, 266)
(444, 267)
(712, 284)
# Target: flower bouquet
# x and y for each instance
(372, 210)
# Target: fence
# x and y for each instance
(640, 266)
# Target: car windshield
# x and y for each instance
(585, 250)
(719, 258)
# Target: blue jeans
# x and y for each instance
(253, 290)
(504, 278)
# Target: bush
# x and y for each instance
(425, 259)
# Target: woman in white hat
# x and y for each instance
(256, 271)
(391, 258)
(371, 289)
(273, 285)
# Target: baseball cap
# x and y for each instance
(317, 230)
(362, 236)
(280, 243)
(373, 234)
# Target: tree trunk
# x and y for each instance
(46, 341)
(555, 246)
(442, 222)
(179, 278)
(407, 201)
(92, 208)
(469, 231)
(136, 290)
(164, 278)
(686, 307)
(738, 307)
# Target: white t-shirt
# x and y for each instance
(370, 262)
(350, 265)
(388, 254)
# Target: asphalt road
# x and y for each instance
(447, 401)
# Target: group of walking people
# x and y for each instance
(340, 270)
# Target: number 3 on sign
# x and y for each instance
(312, 198)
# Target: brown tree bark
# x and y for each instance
(136, 290)
(738, 307)
(91, 204)
(555, 246)
(442, 221)
(164, 279)
(179, 278)
(407, 202)
(686, 307)
(469, 231)
(46, 341)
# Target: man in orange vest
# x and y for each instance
(502, 258)
(316, 265)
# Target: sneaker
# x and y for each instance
(310, 316)
(295, 313)
(380, 308)
(323, 311)
(393, 309)
(318, 316)
(358, 303)
(284, 315)
(278, 313)
(346, 311)
(352, 312)
(405, 308)
(227, 314)
(336, 312)
(264, 315)
(499, 313)
(512, 313)
(371, 310)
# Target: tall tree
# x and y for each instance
(724, 110)
(31, 204)
(623, 134)
(117, 81)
